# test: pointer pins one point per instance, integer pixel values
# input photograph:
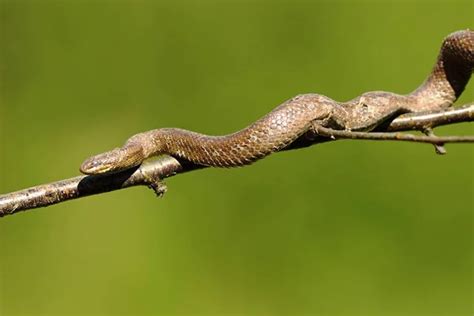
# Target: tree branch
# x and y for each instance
(432, 139)
(421, 121)
(151, 173)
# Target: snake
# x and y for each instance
(294, 118)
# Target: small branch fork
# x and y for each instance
(152, 173)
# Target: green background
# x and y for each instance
(346, 228)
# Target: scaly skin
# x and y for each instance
(292, 119)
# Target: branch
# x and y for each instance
(435, 140)
(421, 121)
(151, 173)
(148, 174)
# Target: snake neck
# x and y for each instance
(450, 74)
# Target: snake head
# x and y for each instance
(102, 163)
(114, 160)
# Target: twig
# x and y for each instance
(439, 148)
(435, 140)
(151, 173)
(421, 121)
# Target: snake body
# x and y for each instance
(292, 119)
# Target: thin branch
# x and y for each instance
(151, 173)
(422, 121)
(439, 148)
(435, 140)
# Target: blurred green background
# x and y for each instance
(346, 228)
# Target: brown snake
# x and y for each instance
(292, 119)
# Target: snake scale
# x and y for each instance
(293, 119)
